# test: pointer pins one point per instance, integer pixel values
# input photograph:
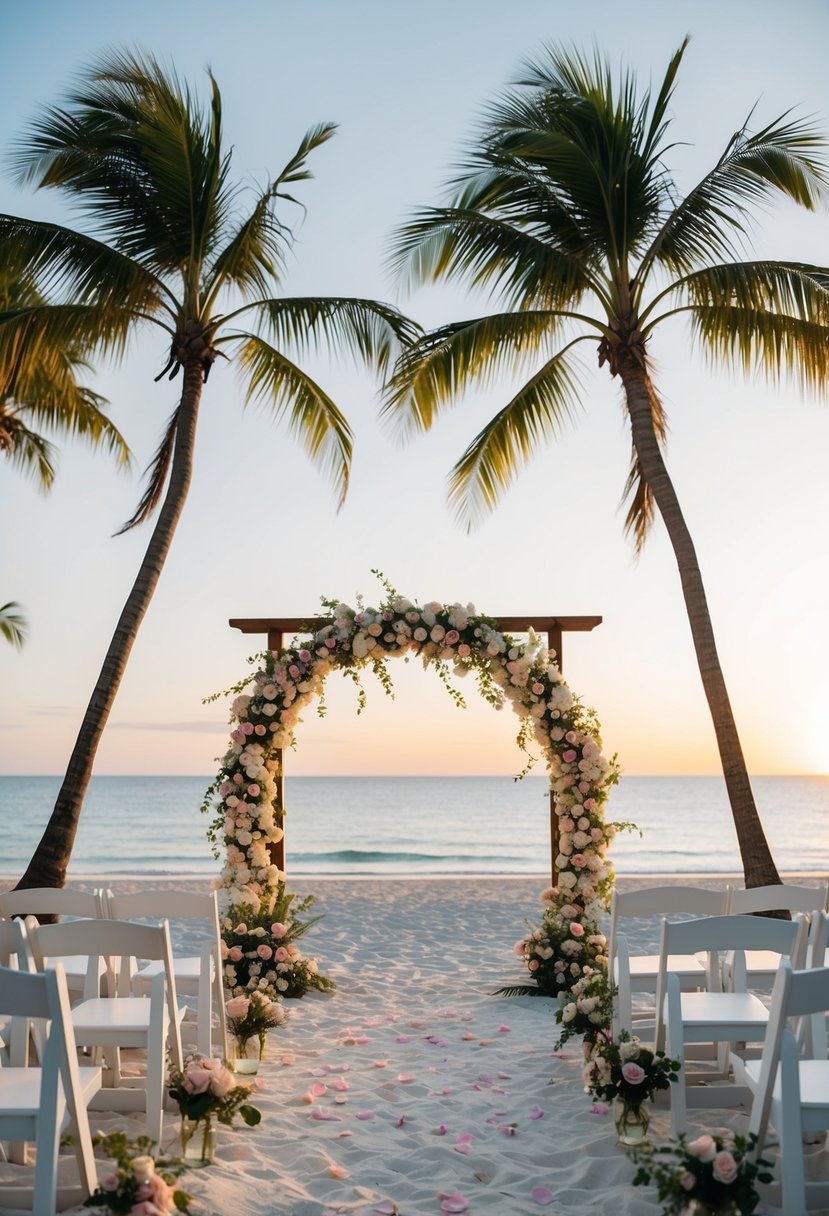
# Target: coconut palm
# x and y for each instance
(13, 626)
(565, 210)
(172, 245)
(39, 387)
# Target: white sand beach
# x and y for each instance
(412, 1081)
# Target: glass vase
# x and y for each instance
(246, 1054)
(198, 1141)
(632, 1120)
(698, 1207)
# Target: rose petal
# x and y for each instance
(342, 1135)
(318, 1089)
(380, 1064)
(341, 1084)
(400, 1121)
(542, 1195)
(337, 1171)
(599, 1108)
(289, 1058)
(365, 1114)
(340, 1099)
(386, 1209)
(468, 1036)
(504, 1029)
(405, 1077)
(453, 1202)
(463, 1143)
(326, 1116)
(535, 1112)
(403, 1038)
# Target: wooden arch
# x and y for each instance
(277, 628)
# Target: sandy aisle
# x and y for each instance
(414, 1042)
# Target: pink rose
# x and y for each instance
(567, 825)
(155, 1191)
(537, 688)
(253, 788)
(464, 651)
(196, 1079)
(576, 930)
(264, 951)
(569, 755)
(234, 954)
(280, 954)
(703, 1148)
(633, 1074)
(223, 949)
(109, 1182)
(589, 804)
(451, 637)
(687, 1181)
(571, 736)
(725, 1167)
(278, 930)
(221, 1082)
(241, 929)
(533, 964)
(237, 1006)
(579, 861)
(518, 949)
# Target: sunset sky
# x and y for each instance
(261, 535)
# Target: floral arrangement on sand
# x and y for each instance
(203, 1089)
(140, 1185)
(251, 1017)
(718, 1172)
(627, 1069)
(452, 639)
(260, 953)
(585, 1008)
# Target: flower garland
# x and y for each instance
(452, 638)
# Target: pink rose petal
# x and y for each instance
(318, 1089)
(405, 1077)
(452, 1202)
(599, 1108)
(485, 1077)
(342, 1135)
(318, 1072)
(542, 1195)
(341, 1084)
(337, 1171)
(403, 1038)
(386, 1209)
(363, 1115)
(535, 1112)
(468, 1036)
(504, 1029)
(380, 1064)
(289, 1058)
(340, 1099)
(400, 1121)
(326, 1116)
(504, 1076)
(463, 1143)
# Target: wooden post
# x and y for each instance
(554, 643)
(276, 639)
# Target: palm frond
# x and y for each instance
(785, 157)
(25, 450)
(508, 442)
(13, 625)
(312, 416)
(78, 268)
(429, 374)
(519, 990)
(141, 156)
(520, 266)
(753, 340)
(368, 330)
(156, 476)
(295, 170)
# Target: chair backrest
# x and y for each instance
(26, 995)
(14, 946)
(781, 897)
(50, 901)
(662, 901)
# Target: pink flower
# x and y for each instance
(725, 1167)
(278, 930)
(223, 949)
(703, 1148)
(264, 951)
(569, 755)
(633, 1074)
(237, 1006)
(221, 1082)
(280, 954)
(567, 825)
(464, 651)
(687, 1181)
(241, 929)
(451, 637)
(197, 1079)
(579, 861)
(109, 1182)
(533, 964)
(234, 954)
(576, 930)
(518, 949)
(571, 736)
(253, 788)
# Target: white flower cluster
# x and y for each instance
(523, 675)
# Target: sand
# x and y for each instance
(413, 1080)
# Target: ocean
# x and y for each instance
(389, 826)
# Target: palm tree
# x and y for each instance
(170, 242)
(566, 211)
(13, 625)
(39, 387)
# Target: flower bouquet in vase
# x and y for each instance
(249, 1018)
(627, 1074)
(714, 1175)
(140, 1182)
(203, 1090)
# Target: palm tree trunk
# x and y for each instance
(48, 865)
(758, 865)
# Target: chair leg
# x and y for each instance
(789, 1127)
(49, 1121)
(676, 1050)
(204, 1018)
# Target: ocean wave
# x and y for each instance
(379, 855)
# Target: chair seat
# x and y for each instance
(813, 1077)
(741, 1012)
(646, 966)
(187, 971)
(20, 1089)
(75, 967)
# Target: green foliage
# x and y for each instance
(627, 1069)
(138, 1178)
(716, 1170)
(269, 960)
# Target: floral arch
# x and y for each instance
(452, 639)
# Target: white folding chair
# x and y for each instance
(714, 1016)
(15, 954)
(761, 965)
(789, 1092)
(34, 1102)
(199, 975)
(122, 1020)
(57, 901)
(638, 972)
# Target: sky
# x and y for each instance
(261, 535)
